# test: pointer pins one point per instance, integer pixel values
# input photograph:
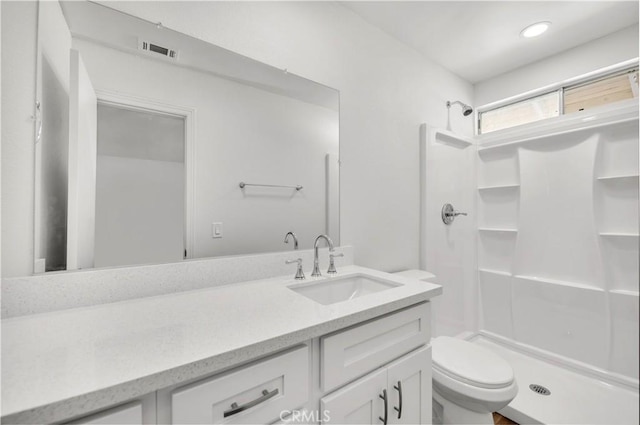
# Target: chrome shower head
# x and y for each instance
(466, 109)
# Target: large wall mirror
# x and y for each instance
(154, 147)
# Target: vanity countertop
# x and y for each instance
(70, 362)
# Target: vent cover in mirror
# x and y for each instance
(157, 49)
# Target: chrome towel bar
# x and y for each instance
(243, 184)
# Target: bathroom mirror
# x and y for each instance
(154, 147)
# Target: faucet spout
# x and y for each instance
(295, 239)
(316, 265)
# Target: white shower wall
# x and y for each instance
(558, 241)
(448, 251)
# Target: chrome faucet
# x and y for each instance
(316, 266)
(295, 239)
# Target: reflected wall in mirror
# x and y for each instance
(146, 134)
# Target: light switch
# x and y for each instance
(216, 230)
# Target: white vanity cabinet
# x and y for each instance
(258, 352)
(374, 372)
(337, 378)
(397, 388)
(396, 394)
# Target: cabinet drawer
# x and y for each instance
(255, 394)
(352, 353)
(130, 413)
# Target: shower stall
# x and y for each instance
(544, 269)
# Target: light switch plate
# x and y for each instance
(216, 230)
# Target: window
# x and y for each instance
(594, 92)
(600, 92)
(524, 112)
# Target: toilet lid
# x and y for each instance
(470, 363)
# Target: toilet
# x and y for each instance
(469, 382)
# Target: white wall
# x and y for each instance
(19, 26)
(609, 50)
(386, 91)
(450, 250)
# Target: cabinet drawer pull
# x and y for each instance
(266, 395)
(384, 397)
(399, 408)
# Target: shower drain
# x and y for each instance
(539, 389)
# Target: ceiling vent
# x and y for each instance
(156, 49)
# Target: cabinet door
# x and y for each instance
(411, 377)
(357, 403)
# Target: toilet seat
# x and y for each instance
(470, 364)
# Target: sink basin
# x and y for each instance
(339, 289)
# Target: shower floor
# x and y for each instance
(574, 399)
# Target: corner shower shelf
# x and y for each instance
(449, 138)
(489, 229)
(500, 187)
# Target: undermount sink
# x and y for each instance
(338, 289)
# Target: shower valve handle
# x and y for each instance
(449, 214)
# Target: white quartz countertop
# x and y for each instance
(70, 362)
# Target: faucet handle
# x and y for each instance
(299, 271)
(332, 266)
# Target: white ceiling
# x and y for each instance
(478, 40)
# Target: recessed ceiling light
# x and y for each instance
(535, 30)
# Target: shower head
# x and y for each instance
(466, 109)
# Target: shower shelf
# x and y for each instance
(625, 292)
(500, 187)
(622, 176)
(619, 235)
(498, 272)
(502, 230)
(559, 282)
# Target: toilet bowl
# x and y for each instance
(469, 382)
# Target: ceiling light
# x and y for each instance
(535, 30)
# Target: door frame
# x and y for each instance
(120, 100)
